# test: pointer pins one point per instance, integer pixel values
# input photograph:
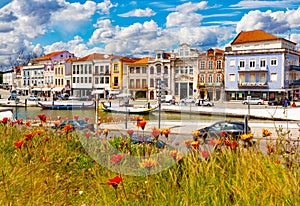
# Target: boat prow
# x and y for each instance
(129, 110)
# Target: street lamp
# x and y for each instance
(17, 102)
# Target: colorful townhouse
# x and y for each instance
(137, 78)
(44, 76)
(211, 74)
(184, 72)
(259, 64)
(159, 68)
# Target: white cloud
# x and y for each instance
(191, 7)
(255, 4)
(177, 19)
(139, 13)
(267, 21)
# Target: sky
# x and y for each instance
(136, 28)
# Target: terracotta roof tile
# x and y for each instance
(48, 56)
(253, 36)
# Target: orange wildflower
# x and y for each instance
(67, 127)
(148, 164)
(166, 132)
(29, 136)
(266, 133)
(142, 124)
(42, 117)
(195, 144)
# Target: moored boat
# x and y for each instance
(129, 110)
(67, 106)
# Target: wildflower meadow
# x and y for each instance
(45, 166)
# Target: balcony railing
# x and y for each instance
(254, 85)
(253, 69)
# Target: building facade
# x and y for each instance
(210, 74)
(259, 64)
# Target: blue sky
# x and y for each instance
(137, 28)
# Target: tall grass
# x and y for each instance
(53, 168)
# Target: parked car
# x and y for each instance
(204, 102)
(34, 98)
(73, 98)
(135, 139)
(76, 124)
(232, 128)
(188, 100)
(282, 102)
(254, 101)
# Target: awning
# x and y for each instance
(98, 92)
(22, 88)
(57, 89)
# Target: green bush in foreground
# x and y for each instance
(41, 166)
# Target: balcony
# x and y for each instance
(294, 67)
(253, 69)
(252, 85)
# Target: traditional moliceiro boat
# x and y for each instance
(129, 110)
(67, 106)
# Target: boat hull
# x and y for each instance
(66, 106)
(128, 110)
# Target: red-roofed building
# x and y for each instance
(259, 64)
(45, 75)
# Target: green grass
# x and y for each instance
(53, 168)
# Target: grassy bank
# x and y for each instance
(41, 166)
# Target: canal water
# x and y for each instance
(31, 113)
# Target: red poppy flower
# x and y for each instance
(234, 145)
(205, 154)
(42, 117)
(114, 181)
(76, 117)
(27, 123)
(130, 131)
(155, 132)
(29, 136)
(4, 120)
(142, 124)
(87, 134)
(86, 119)
(19, 144)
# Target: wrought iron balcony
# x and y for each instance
(253, 85)
(253, 69)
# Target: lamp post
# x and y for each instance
(17, 102)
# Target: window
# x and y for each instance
(85, 69)
(107, 70)
(144, 70)
(241, 78)
(165, 70)
(101, 80)
(116, 68)
(144, 83)
(85, 80)
(90, 79)
(151, 70)
(219, 64)
(263, 63)
(202, 65)
(96, 80)
(252, 63)
(151, 82)
(176, 70)
(191, 71)
(106, 80)
(74, 79)
(131, 70)
(242, 64)
(138, 83)
(131, 83)
(202, 78)
(218, 80)
(232, 77)
(252, 77)
(210, 64)
(116, 81)
(274, 77)
(138, 70)
(232, 62)
(210, 78)
(158, 69)
(273, 62)
(262, 78)
(101, 69)
(96, 69)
